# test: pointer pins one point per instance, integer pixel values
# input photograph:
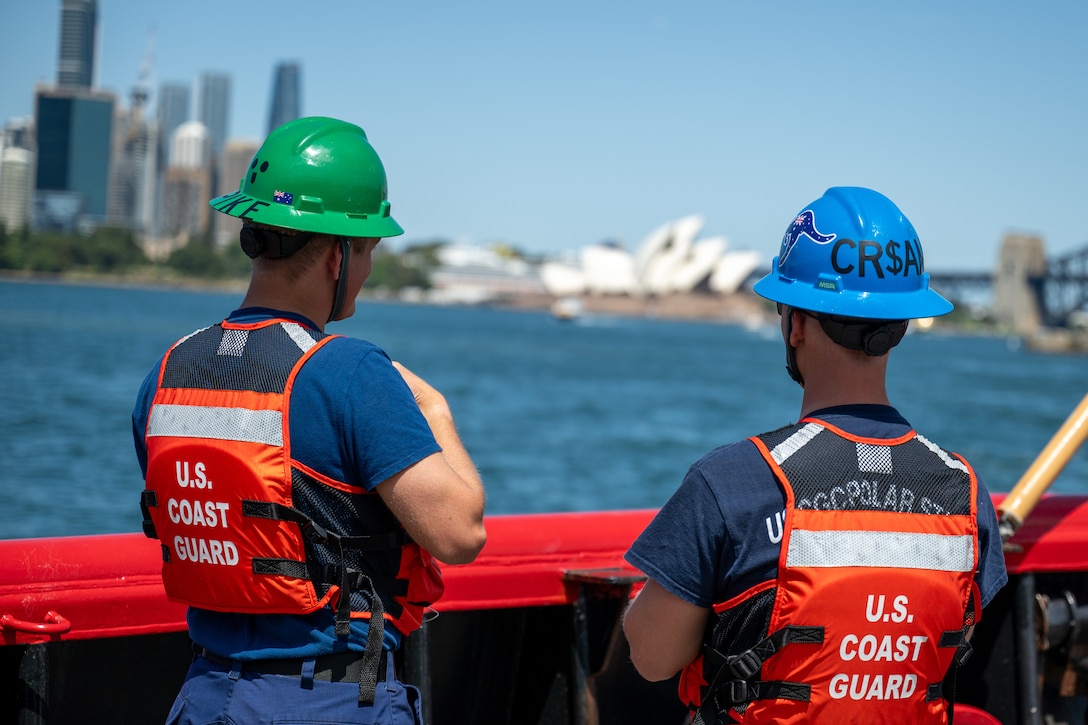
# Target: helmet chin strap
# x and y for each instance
(791, 354)
(874, 338)
(342, 282)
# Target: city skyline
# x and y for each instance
(554, 128)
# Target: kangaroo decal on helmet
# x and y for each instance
(805, 223)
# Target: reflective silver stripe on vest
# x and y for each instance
(795, 442)
(225, 424)
(943, 455)
(233, 343)
(298, 335)
(890, 549)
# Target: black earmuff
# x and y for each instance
(878, 341)
(256, 242)
(252, 241)
(873, 338)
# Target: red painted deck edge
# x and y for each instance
(109, 586)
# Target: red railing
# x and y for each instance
(86, 587)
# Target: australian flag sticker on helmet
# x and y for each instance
(283, 197)
(805, 224)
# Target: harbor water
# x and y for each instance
(596, 413)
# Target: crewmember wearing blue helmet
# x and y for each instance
(831, 570)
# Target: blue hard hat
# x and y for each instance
(853, 253)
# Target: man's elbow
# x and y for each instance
(653, 669)
(649, 661)
(465, 548)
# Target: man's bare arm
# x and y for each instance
(440, 499)
(664, 631)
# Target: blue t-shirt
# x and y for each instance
(720, 533)
(352, 419)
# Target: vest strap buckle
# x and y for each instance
(314, 532)
(734, 692)
(744, 665)
(148, 500)
(957, 638)
(747, 663)
(964, 653)
(737, 692)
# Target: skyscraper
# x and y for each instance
(188, 184)
(213, 107)
(74, 134)
(15, 172)
(286, 95)
(18, 132)
(173, 111)
(78, 25)
(131, 166)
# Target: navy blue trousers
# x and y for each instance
(215, 694)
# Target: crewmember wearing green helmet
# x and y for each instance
(830, 570)
(302, 484)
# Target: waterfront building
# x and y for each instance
(670, 260)
(473, 275)
(16, 170)
(16, 186)
(18, 132)
(187, 184)
(76, 48)
(132, 166)
(286, 95)
(173, 110)
(213, 108)
(74, 128)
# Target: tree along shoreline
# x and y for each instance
(113, 255)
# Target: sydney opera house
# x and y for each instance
(670, 260)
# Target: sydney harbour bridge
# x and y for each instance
(1029, 291)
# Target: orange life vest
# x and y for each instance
(874, 594)
(244, 528)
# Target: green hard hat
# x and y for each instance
(315, 175)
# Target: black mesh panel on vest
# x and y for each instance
(739, 629)
(349, 515)
(732, 632)
(215, 358)
(776, 436)
(833, 473)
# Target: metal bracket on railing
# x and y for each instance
(53, 623)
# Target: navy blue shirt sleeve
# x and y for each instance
(681, 547)
(991, 575)
(141, 412)
(712, 541)
(353, 418)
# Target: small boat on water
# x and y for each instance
(567, 308)
(529, 633)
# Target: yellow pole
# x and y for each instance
(1042, 472)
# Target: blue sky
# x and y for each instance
(553, 125)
